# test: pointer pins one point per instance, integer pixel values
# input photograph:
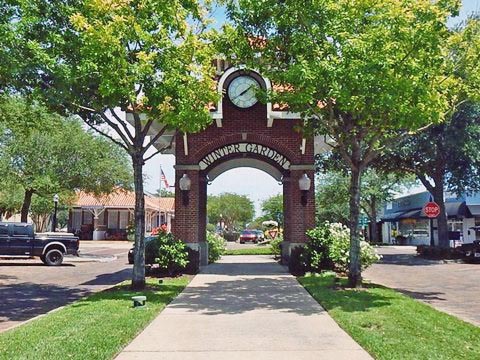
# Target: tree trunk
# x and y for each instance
(442, 224)
(27, 201)
(138, 275)
(355, 274)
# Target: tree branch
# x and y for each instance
(426, 183)
(122, 123)
(147, 126)
(162, 149)
(117, 130)
(106, 135)
(153, 139)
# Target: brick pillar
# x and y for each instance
(190, 218)
(298, 217)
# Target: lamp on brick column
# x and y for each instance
(185, 184)
(304, 184)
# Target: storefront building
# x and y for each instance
(108, 217)
(404, 222)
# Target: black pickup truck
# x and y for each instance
(19, 239)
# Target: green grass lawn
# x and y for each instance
(97, 327)
(390, 325)
(251, 251)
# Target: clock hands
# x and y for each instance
(244, 92)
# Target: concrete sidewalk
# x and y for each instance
(244, 307)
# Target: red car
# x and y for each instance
(248, 235)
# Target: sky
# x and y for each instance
(254, 183)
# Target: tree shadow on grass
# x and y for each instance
(156, 294)
(332, 295)
(426, 296)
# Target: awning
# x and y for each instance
(394, 216)
(456, 209)
(412, 214)
(474, 209)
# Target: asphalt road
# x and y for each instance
(450, 287)
(28, 288)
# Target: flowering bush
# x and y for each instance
(275, 246)
(159, 229)
(216, 246)
(172, 254)
(329, 249)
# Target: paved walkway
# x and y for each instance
(244, 307)
(449, 287)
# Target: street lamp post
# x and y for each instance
(54, 220)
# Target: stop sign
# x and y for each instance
(431, 209)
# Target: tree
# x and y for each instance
(48, 154)
(164, 193)
(233, 210)
(444, 157)
(100, 58)
(331, 198)
(377, 188)
(43, 206)
(363, 73)
(272, 209)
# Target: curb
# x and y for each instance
(91, 258)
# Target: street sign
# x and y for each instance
(431, 210)
(273, 233)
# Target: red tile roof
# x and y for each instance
(123, 199)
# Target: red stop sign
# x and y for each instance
(431, 209)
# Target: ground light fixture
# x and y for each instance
(54, 220)
(185, 184)
(304, 184)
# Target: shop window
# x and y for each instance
(76, 219)
(455, 225)
(123, 220)
(87, 218)
(113, 219)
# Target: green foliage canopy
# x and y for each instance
(43, 153)
(272, 208)
(233, 209)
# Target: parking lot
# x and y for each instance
(28, 288)
(450, 287)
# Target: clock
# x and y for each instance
(242, 91)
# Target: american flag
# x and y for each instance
(164, 178)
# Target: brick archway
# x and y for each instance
(264, 136)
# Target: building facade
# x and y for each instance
(108, 217)
(403, 220)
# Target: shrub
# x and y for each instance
(172, 254)
(275, 246)
(216, 246)
(329, 249)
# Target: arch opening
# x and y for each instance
(235, 163)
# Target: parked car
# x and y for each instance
(260, 235)
(248, 236)
(471, 251)
(149, 253)
(19, 239)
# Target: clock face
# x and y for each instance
(242, 91)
